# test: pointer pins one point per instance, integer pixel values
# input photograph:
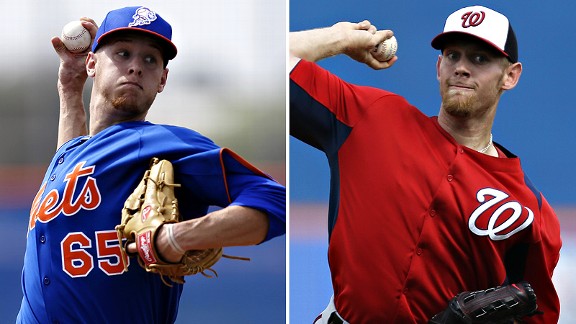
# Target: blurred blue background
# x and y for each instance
(228, 82)
(535, 121)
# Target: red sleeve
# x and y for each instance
(345, 100)
(324, 108)
(543, 257)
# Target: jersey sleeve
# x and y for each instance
(213, 176)
(324, 108)
(542, 258)
(220, 177)
(250, 187)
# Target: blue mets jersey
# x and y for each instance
(72, 269)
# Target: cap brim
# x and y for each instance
(439, 41)
(169, 47)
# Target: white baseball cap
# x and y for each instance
(484, 24)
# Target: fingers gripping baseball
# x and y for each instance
(367, 26)
(362, 40)
(383, 54)
(78, 27)
(72, 72)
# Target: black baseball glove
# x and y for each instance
(499, 305)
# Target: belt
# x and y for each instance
(330, 315)
(334, 319)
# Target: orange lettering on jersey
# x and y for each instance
(51, 205)
(35, 206)
(87, 198)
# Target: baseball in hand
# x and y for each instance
(386, 50)
(75, 37)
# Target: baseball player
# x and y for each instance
(72, 267)
(422, 208)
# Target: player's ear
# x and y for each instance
(91, 64)
(163, 80)
(438, 67)
(512, 76)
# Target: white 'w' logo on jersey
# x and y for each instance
(506, 220)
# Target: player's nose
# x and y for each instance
(461, 68)
(135, 67)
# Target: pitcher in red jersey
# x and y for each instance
(422, 208)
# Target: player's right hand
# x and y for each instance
(72, 73)
(63, 52)
(361, 38)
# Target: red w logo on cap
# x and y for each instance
(472, 19)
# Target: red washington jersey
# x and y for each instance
(415, 218)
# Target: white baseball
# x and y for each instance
(386, 50)
(75, 37)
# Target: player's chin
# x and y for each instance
(130, 104)
(458, 106)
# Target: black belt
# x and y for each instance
(334, 319)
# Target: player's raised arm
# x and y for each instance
(357, 40)
(71, 79)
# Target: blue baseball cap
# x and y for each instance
(139, 19)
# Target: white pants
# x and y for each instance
(331, 308)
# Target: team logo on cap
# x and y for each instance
(143, 16)
(472, 19)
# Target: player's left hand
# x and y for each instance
(502, 304)
(147, 219)
(167, 253)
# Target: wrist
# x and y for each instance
(167, 247)
(71, 78)
(172, 239)
(68, 91)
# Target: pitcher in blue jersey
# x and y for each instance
(72, 267)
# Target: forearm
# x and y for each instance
(71, 79)
(316, 44)
(231, 226)
(72, 117)
(356, 40)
